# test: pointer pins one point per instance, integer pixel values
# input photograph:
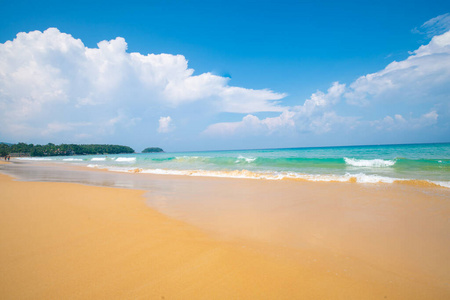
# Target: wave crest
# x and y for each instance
(246, 159)
(372, 163)
(246, 174)
(98, 159)
(125, 159)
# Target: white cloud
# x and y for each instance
(320, 101)
(165, 125)
(435, 26)
(52, 78)
(315, 115)
(423, 79)
(233, 100)
(331, 121)
(251, 124)
(52, 85)
(425, 72)
(398, 122)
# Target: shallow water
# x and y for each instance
(364, 164)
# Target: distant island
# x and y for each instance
(152, 150)
(22, 149)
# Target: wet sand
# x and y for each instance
(252, 240)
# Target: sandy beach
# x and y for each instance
(209, 150)
(73, 241)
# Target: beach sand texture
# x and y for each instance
(71, 241)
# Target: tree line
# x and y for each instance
(63, 149)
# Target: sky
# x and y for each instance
(212, 75)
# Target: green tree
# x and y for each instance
(152, 150)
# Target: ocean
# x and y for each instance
(427, 164)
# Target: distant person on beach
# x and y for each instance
(9, 157)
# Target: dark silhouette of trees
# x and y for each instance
(152, 150)
(63, 149)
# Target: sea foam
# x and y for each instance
(373, 163)
(246, 174)
(125, 159)
(246, 159)
(442, 183)
(98, 159)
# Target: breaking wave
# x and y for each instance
(92, 166)
(98, 159)
(246, 159)
(372, 163)
(125, 159)
(246, 174)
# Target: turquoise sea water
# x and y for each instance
(366, 164)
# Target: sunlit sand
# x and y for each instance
(65, 240)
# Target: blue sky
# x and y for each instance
(265, 73)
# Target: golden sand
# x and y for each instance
(69, 241)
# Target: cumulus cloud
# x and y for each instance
(320, 100)
(165, 125)
(398, 122)
(315, 115)
(426, 72)
(423, 79)
(52, 85)
(50, 81)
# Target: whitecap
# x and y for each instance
(245, 174)
(125, 159)
(373, 163)
(98, 159)
(247, 159)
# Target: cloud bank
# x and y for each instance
(54, 88)
(52, 83)
(421, 81)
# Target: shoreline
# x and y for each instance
(262, 264)
(360, 178)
